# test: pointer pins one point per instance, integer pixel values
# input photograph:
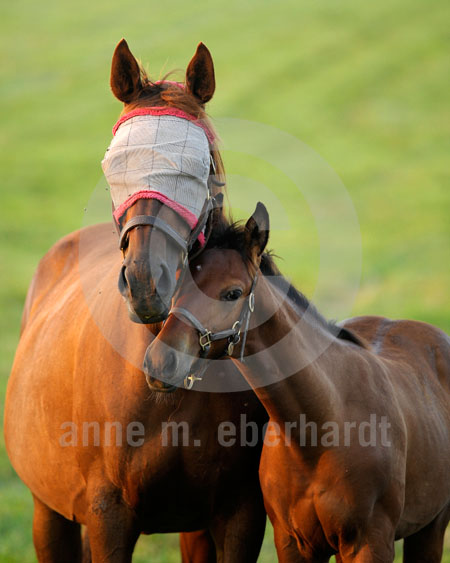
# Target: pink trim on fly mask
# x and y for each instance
(164, 111)
(184, 213)
(172, 82)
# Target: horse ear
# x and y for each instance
(200, 81)
(125, 74)
(257, 231)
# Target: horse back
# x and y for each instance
(412, 359)
(412, 342)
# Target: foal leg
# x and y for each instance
(375, 545)
(426, 545)
(197, 547)
(371, 554)
(377, 551)
(55, 538)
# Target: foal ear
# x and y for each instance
(257, 231)
(125, 74)
(200, 81)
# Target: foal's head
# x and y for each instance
(153, 254)
(214, 298)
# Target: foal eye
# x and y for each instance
(232, 295)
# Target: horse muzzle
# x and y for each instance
(147, 303)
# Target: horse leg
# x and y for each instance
(197, 547)
(286, 546)
(112, 528)
(426, 545)
(86, 548)
(238, 530)
(55, 538)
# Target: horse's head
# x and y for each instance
(213, 306)
(160, 167)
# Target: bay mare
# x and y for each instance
(84, 431)
(151, 258)
(329, 488)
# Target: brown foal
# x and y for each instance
(357, 451)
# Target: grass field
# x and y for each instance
(363, 84)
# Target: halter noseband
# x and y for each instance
(207, 337)
(157, 223)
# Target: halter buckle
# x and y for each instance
(205, 340)
(189, 381)
(212, 163)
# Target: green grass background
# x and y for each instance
(365, 84)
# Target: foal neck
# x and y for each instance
(293, 360)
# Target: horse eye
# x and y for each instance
(232, 295)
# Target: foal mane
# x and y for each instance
(231, 237)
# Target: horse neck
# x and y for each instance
(293, 362)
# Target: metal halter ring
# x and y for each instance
(235, 338)
(237, 328)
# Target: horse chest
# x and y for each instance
(175, 472)
(287, 487)
(173, 489)
(290, 502)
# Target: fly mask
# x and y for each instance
(164, 154)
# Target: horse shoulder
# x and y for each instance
(60, 264)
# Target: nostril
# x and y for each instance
(171, 363)
(123, 277)
(164, 283)
(147, 364)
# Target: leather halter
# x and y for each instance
(207, 337)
